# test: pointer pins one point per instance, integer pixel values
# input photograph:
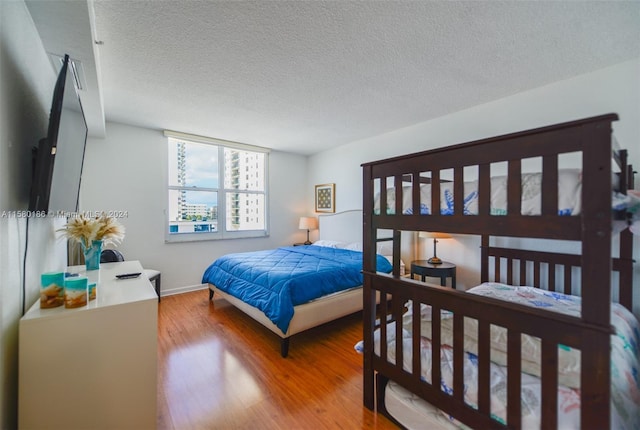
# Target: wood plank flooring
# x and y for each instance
(218, 369)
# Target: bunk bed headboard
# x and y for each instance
(341, 226)
(553, 271)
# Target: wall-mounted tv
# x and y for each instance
(58, 159)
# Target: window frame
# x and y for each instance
(221, 233)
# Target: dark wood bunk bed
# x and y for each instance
(592, 228)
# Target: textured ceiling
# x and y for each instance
(305, 76)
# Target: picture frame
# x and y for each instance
(326, 198)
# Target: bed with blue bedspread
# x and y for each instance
(276, 280)
(279, 282)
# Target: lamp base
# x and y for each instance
(434, 260)
(306, 243)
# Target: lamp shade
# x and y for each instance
(434, 235)
(308, 223)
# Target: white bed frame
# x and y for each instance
(344, 227)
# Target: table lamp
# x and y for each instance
(435, 236)
(308, 223)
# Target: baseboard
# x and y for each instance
(181, 290)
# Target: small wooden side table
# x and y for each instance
(442, 271)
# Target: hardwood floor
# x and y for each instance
(218, 369)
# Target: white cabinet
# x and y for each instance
(93, 367)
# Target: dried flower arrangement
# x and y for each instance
(86, 229)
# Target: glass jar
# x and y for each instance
(92, 290)
(51, 290)
(75, 292)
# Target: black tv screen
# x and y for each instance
(59, 158)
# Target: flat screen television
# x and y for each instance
(58, 159)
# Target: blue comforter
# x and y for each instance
(276, 280)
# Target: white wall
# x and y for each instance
(614, 89)
(26, 88)
(126, 171)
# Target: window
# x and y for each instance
(216, 189)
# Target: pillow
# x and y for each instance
(329, 243)
(385, 248)
(402, 266)
(354, 246)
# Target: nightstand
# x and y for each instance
(442, 271)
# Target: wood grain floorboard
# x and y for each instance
(219, 369)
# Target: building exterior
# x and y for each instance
(244, 171)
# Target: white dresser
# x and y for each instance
(93, 367)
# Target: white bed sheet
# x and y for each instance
(413, 412)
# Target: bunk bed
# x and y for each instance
(430, 363)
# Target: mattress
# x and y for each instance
(413, 412)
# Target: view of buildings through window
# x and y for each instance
(211, 186)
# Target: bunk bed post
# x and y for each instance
(484, 258)
(397, 234)
(625, 283)
(596, 271)
(369, 238)
(630, 177)
(624, 175)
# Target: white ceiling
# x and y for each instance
(303, 76)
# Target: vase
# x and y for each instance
(92, 254)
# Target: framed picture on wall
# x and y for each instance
(326, 198)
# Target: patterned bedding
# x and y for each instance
(569, 198)
(276, 280)
(625, 378)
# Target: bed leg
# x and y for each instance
(210, 294)
(369, 386)
(284, 347)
